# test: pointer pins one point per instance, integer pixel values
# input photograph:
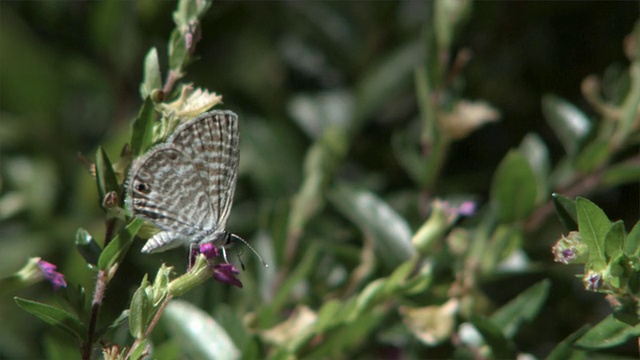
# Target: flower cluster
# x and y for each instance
(223, 272)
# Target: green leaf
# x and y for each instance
(565, 208)
(632, 242)
(141, 311)
(525, 307)
(620, 174)
(514, 188)
(594, 226)
(537, 154)
(614, 240)
(566, 351)
(593, 155)
(142, 131)
(152, 78)
(314, 114)
(386, 79)
(448, 18)
(57, 317)
(354, 334)
(87, 246)
(302, 272)
(608, 333)
(328, 315)
(320, 163)
(105, 176)
(178, 55)
(390, 233)
(117, 248)
(199, 335)
(500, 346)
(570, 124)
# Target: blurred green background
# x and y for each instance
(69, 78)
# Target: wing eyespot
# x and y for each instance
(143, 187)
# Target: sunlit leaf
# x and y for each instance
(57, 317)
(594, 226)
(608, 333)
(390, 233)
(152, 78)
(525, 307)
(614, 239)
(537, 154)
(199, 335)
(514, 187)
(570, 124)
(142, 131)
(118, 247)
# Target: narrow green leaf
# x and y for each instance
(355, 333)
(566, 351)
(57, 317)
(594, 225)
(570, 124)
(314, 114)
(178, 55)
(537, 154)
(620, 174)
(629, 114)
(593, 155)
(500, 346)
(320, 164)
(199, 334)
(614, 240)
(449, 17)
(390, 233)
(514, 188)
(140, 311)
(565, 208)
(152, 78)
(327, 315)
(632, 242)
(525, 307)
(384, 81)
(305, 267)
(87, 246)
(142, 131)
(105, 176)
(608, 333)
(117, 248)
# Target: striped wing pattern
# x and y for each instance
(185, 186)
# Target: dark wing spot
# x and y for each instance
(143, 187)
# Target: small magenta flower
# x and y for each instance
(222, 271)
(209, 250)
(226, 273)
(592, 281)
(49, 272)
(570, 249)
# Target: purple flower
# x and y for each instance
(209, 250)
(592, 281)
(50, 273)
(226, 273)
(222, 272)
(467, 208)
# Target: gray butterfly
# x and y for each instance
(185, 185)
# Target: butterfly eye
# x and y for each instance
(143, 187)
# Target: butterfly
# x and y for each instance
(185, 185)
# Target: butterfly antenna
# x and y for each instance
(236, 237)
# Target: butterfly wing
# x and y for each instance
(211, 141)
(166, 188)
